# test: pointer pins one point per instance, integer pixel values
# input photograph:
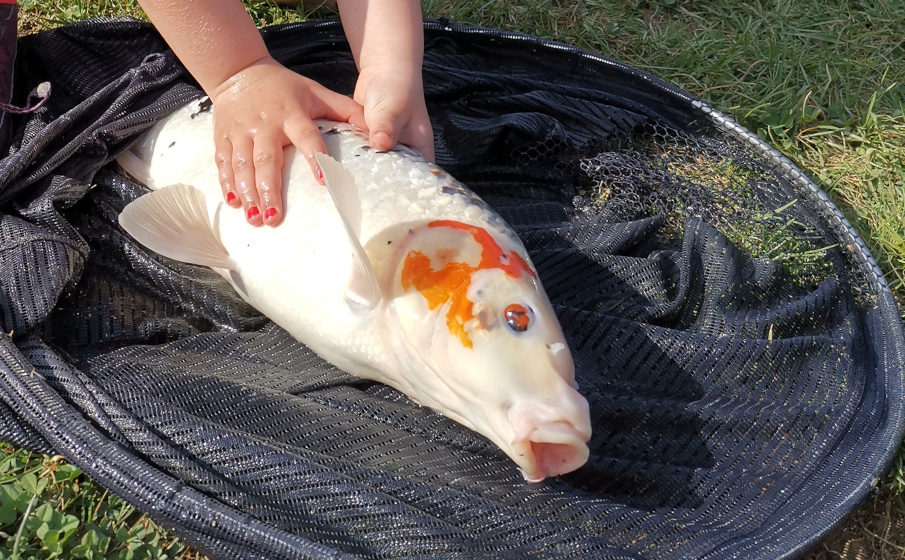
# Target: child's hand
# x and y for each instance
(394, 110)
(258, 111)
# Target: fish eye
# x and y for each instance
(517, 316)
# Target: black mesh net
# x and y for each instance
(741, 355)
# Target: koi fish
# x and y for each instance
(393, 271)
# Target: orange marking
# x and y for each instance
(492, 255)
(451, 282)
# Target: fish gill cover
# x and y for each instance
(741, 355)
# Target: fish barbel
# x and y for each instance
(392, 271)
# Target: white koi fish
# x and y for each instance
(393, 272)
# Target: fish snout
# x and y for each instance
(551, 437)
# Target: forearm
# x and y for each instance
(214, 39)
(384, 32)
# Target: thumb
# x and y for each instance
(383, 124)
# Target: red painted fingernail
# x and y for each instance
(320, 174)
(252, 212)
(230, 198)
(270, 213)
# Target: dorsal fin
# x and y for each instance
(173, 221)
(363, 288)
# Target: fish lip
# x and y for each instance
(551, 449)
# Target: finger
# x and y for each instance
(223, 150)
(426, 148)
(306, 137)
(268, 166)
(338, 107)
(357, 119)
(243, 168)
(421, 138)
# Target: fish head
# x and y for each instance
(492, 352)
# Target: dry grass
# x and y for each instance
(876, 531)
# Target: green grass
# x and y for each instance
(821, 80)
(49, 510)
(861, 164)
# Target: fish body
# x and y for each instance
(392, 271)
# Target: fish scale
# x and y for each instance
(392, 271)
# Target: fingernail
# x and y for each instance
(320, 174)
(270, 213)
(230, 197)
(252, 212)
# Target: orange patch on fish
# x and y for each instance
(451, 281)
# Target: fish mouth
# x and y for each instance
(551, 449)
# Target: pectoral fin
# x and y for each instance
(363, 288)
(134, 165)
(173, 221)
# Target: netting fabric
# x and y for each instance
(741, 354)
